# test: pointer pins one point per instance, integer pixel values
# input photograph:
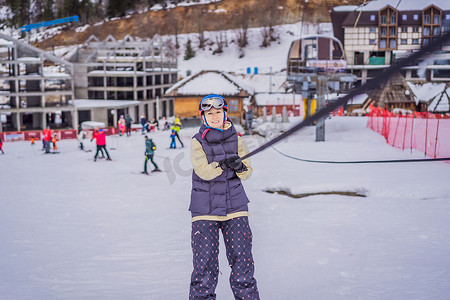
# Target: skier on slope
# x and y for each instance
(219, 203)
(128, 121)
(121, 125)
(176, 127)
(47, 139)
(100, 138)
(150, 148)
(173, 144)
(1, 146)
(144, 124)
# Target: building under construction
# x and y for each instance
(101, 81)
(36, 88)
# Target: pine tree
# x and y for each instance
(189, 52)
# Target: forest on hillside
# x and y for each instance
(16, 13)
(22, 12)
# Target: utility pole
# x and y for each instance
(321, 92)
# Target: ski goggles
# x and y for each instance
(215, 102)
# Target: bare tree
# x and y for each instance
(269, 13)
(174, 22)
(221, 41)
(242, 20)
(201, 21)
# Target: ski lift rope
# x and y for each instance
(382, 77)
(361, 161)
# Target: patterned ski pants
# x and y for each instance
(205, 248)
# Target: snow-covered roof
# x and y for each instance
(425, 92)
(440, 102)
(85, 103)
(376, 5)
(263, 99)
(261, 82)
(4, 42)
(210, 82)
(345, 8)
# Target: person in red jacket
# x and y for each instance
(47, 139)
(1, 146)
(100, 138)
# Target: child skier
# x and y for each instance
(121, 125)
(219, 203)
(150, 148)
(54, 139)
(173, 144)
(1, 146)
(177, 128)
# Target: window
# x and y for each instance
(404, 41)
(437, 19)
(157, 79)
(404, 29)
(166, 79)
(234, 105)
(372, 29)
(372, 17)
(383, 31)
(416, 17)
(436, 30)
(392, 31)
(426, 19)
(426, 41)
(415, 29)
(382, 43)
(415, 41)
(372, 42)
(447, 17)
(383, 19)
(426, 30)
(404, 17)
(393, 19)
(393, 43)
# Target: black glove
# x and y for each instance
(231, 163)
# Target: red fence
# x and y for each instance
(426, 132)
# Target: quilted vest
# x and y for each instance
(224, 194)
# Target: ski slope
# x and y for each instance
(72, 228)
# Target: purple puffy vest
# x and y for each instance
(224, 194)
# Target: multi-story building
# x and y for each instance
(102, 80)
(374, 35)
(36, 88)
(126, 70)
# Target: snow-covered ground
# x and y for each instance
(72, 228)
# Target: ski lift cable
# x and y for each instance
(362, 161)
(381, 78)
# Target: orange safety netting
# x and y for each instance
(426, 132)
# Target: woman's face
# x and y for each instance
(214, 117)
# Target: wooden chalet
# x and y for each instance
(396, 93)
(188, 92)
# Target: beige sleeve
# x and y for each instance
(200, 164)
(243, 150)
